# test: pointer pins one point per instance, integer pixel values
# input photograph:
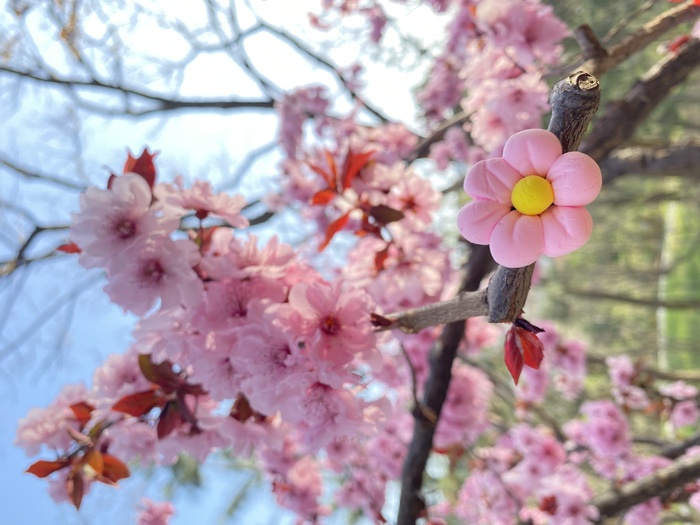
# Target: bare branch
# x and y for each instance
(464, 306)
(163, 103)
(659, 484)
(598, 63)
(622, 117)
(35, 176)
(676, 160)
(294, 42)
(679, 304)
(423, 148)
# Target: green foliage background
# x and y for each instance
(645, 249)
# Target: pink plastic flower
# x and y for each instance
(530, 201)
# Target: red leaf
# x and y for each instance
(323, 173)
(69, 247)
(334, 228)
(42, 468)
(380, 258)
(380, 320)
(522, 347)
(170, 419)
(94, 459)
(384, 214)
(675, 44)
(532, 348)
(513, 356)
(323, 197)
(354, 162)
(333, 182)
(75, 488)
(161, 373)
(143, 166)
(241, 409)
(114, 469)
(139, 404)
(82, 412)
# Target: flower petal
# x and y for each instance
(576, 179)
(565, 229)
(517, 240)
(532, 152)
(491, 179)
(477, 219)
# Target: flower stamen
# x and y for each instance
(532, 195)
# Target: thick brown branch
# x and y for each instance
(659, 484)
(574, 100)
(426, 415)
(622, 117)
(678, 304)
(599, 62)
(681, 160)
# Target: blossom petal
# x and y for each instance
(477, 219)
(565, 229)
(576, 179)
(491, 179)
(532, 152)
(517, 240)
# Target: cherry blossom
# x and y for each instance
(113, 220)
(156, 269)
(202, 200)
(530, 201)
(154, 513)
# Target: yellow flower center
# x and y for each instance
(532, 195)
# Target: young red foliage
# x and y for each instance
(384, 214)
(170, 419)
(82, 412)
(93, 458)
(140, 403)
(380, 258)
(323, 197)
(143, 165)
(677, 43)
(354, 162)
(522, 346)
(69, 247)
(114, 469)
(334, 228)
(43, 468)
(75, 488)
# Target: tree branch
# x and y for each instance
(622, 117)
(423, 147)
(679, 304)
(600, 61)
(426, 415)
(659, 484)
(676, 160)
(574, 100)
(163, 103)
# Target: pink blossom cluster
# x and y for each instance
(492, 69)
(294, 109)
(246, 344)
(525, 475)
